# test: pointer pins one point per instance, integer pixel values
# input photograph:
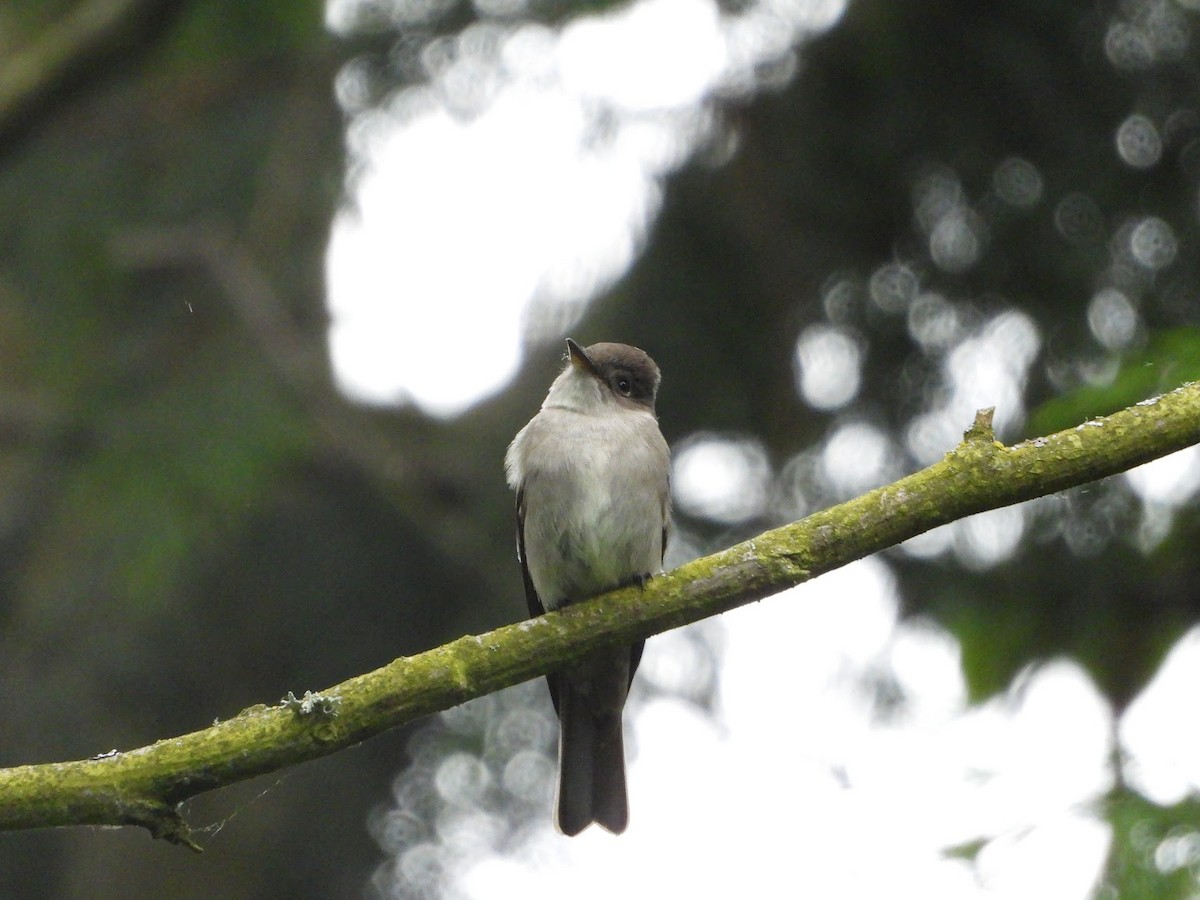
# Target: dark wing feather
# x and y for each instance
(532, 600)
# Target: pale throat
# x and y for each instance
(579, 392)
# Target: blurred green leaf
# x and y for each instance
(967, 851)
(1170, 359)
(166, 479)
(229, 29)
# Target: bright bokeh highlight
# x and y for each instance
(519, 180)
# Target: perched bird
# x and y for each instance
(591, 471)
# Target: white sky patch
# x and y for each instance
(926, 662)
(1112, 318)
(988, 538)
(670, 54)
(1160, 731)
(988, 369)
(828, 366)
(799, 783)
(933, 321)
(499, 198)
(1027, 864)
(720, 478)
(857, 457)
(930, 544)
(447, 244)
(1171, 480)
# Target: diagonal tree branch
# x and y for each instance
(87, 36)
(145, 786)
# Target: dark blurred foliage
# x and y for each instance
(192, 520)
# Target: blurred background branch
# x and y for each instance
(76, 46)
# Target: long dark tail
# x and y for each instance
(591, 766)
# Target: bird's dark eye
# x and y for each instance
(624, 385)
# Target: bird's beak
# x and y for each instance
(580, 359)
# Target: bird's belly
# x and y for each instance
(607, 534)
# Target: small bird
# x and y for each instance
(592, 476)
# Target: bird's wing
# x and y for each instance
(666, 508)
(532, 600)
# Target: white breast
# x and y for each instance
(595, 498)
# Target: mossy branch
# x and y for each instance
(146, 786)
